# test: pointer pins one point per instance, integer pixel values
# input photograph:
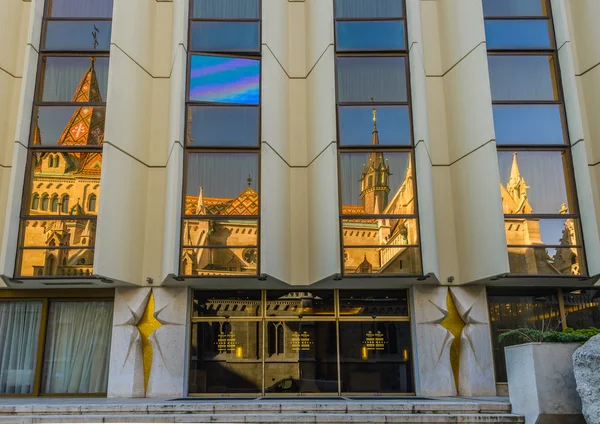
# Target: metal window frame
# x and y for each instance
(565, 148)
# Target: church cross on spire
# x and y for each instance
(374, 112)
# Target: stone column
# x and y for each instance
(451, 341)
(149, 344)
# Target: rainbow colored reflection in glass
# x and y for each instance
(220, 79)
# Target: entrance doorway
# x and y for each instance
(284, 343)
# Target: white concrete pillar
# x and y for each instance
(149, 347)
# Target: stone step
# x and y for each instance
(329, 418)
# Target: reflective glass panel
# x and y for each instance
(80, 8)
(19, 332)
(380, 232)
(77, 35)
(70, 176)
(226, 357)
(68, 126)
(514, 307)
(74, 79)
(377, 183)
(515, 8)
(382, 260)
(225, 36)
(523, 77)
(223, 126)
(518, 34)
(293, 304)
(546, 261)
(535, 182)
(224, 80)
(528, 124)
(222, 184)
(361, 79)
(356, 125)
(75, 262)
(301, 357)
(375, 357)
(219, 261)
(553, 232)
(368, 9)
(582, 308)
(370, 35)
(221, 303)
(211, 232)
(226, 9)
(374, 302)
(77, 350)
(60, 233)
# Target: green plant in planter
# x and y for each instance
(531, 335)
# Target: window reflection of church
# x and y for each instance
(533, 257)
(66, 183)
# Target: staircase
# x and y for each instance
(261, 410)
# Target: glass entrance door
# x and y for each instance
(281, 343)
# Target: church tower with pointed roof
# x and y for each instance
(375, 177)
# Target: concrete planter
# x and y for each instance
(541, 383)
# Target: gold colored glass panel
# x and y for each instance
(223, 261)
(544, 260)
(54, 262)
(58, 233)
(382, 260)
(297, 303)
(72, 177)
(380, 232)
(211, 232)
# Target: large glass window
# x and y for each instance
(281, 342)
(378, 207)
(58, 227)
(539, 201)
(57, 345)
(220, 227)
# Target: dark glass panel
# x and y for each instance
(546, 261)
(225, 36)
(523, 77)
(218, 79)
(301, 357)
(226, 9)
(223, 126)
(375, 357)
(361, 79)
(374, 302)
(60, 233)
(293, 304)
(77, 348)
(65, 174)
(515, 8)
(65, 79)
(368, 9)
(219, 261)
(68, 125)
(356, 125)
(77, 35)
(210, 232)
(528, 124)
(222, 184)
(382, 260)
(582, 308)
(221, 303)
(514, 307)
(226, 357)
(554, 232)
(535, 182)
(76, 262)
(380, 232)
(370, 35)
(19, 332)
(518, 34)
(377, 183)
(80, 8)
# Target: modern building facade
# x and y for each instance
(271, 197)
